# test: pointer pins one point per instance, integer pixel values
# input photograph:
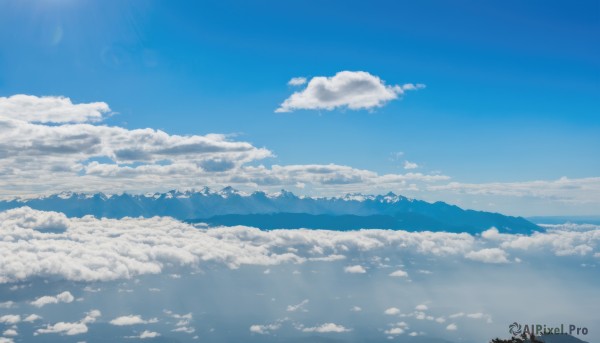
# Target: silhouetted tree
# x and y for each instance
(523, 339)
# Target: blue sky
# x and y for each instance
(512, 87)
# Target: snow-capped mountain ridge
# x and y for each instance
(229, 206)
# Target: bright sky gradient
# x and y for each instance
(511, 96)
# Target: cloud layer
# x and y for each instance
(349, 89)
(89, 249)
(49, 145)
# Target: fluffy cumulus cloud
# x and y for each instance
(65, 328)
(90, 249)
(392, 311)
(70, 328)
(148, 334)
(351, 89)
(356, 269)
(64, 297)
(10, 319)
(399, 273)
(51, 109)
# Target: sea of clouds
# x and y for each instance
(159, 278)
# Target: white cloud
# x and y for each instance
(265, 329)
(42, 159)
(451, 327)
(131, 320)
(64, 297)
(184, 329)
(565, 190)
(32, 318)
(352, 89)
(10, 319)
(51, 109)
(421, 307)
(146, 334)
(356, 269)
(399, 273)
(356, 309)
(394, 331)
(7, 304)
(392, 311)
(10, 333)
(69, 156)
(89, 248)
(457, 315)
(300, 306)
(297, 81)
(90, 317)
(327, 328)
(65, 328)
(410, 165)
(491, 255)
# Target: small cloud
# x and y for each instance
(356, 269)
(90, 317)
(148, 334)
(392, 311)
(356, 309)
(265, 329)
(399, 273)
(32, 318)
(327, 328)
(10, 319)
(10, 333)
(64, 297)
(131, 320)
(410, 165)
(185, 329)
(297, 81)
(65, 328)
(451, 327)
(491, 255)
(300, 306)
(7, 304)
(394, 331)
(347, 89)
(421, 307)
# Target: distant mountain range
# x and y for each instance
(281, 210)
